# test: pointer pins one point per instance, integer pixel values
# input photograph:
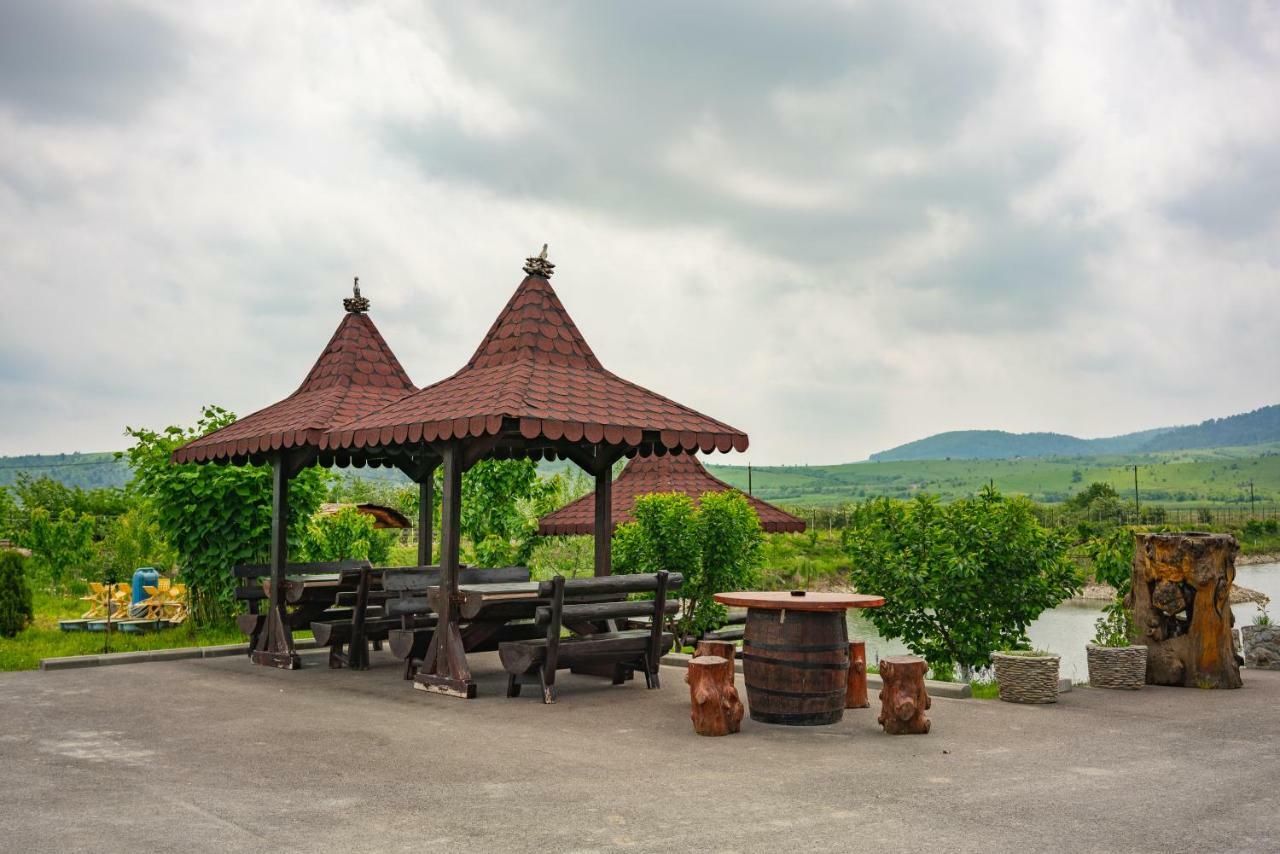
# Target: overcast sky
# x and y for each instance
(837, 226)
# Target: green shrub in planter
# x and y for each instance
(16, 611)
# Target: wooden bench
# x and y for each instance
(407, 605)
(310, 589)
(535, 661)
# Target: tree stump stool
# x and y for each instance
(903, 699)
(1181, 599)
(856, 693)
(725, 649)
(715, 707)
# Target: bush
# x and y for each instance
(346, 535)
(16, 611)
(715, 546)
(960, 581)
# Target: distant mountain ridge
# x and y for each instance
(1249, 428)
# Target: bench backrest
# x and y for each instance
(554, 614)
(262, 570)
(416, 579)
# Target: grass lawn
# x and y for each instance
(44, 639)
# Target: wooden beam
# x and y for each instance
(604, 520)
(275, 645)
(426, 515)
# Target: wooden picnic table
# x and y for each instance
(795, 653)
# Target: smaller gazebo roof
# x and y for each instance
(356, 374)
(646, 475)
(382, 515)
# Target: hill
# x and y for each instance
(87, 471)
(1250, 428)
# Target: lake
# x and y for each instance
(1069, 627)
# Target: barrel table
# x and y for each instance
(795, 653)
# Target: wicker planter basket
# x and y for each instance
(1026, 678)
(1120, 667)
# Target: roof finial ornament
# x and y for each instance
(539, 265)
(356, 304)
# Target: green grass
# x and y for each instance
(45, 640)
(798, 561)
(1215, 476)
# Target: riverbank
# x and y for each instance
(1094, 592)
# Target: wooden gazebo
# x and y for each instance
(532, 389)
(355, 374)
(646, 475)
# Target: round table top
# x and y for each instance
(782, 600)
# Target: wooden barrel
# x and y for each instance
(795, 665)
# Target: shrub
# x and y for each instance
(715, 545)
(61, 545)
(16, 610)
(960, 581)
(346, 535)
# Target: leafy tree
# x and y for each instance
(346, 535)
(498, 500)
(8, 514)
(60, 544)
(1112, 556)
(960, 581)
(16, 611)
(715, 545)
(1097, 496)
(215, 516)
(134, 540)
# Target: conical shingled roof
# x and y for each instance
(356, 374)
(535, 366)
(647, 475)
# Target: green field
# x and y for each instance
(1217, 476)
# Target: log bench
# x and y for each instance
(536, 660)
(407, 606)
(309, 593)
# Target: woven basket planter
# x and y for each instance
(1027, 678)
(1120, 667)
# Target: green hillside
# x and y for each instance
(1250, 428)
(1212, 476)
(87, 471)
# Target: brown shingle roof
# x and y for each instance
(535, 366)
(646, 475)
(356, 374)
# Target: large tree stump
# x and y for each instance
(1181, 607)
(716, 709)
(856, 693)
(903, 699)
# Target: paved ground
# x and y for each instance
(218, 755)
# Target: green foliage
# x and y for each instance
(572, 557)
(1098, 497)
(15, 594)
(1115, 626)
(8, 514)
(346, 535)
(494, 551)
(1112, 556)
(1263, 618)
(215, 516)
(962, 580)
(715, 546)
(134, 540)
(62, 546)
(500, 499)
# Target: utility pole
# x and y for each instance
(1137, 509)
(1251, 510)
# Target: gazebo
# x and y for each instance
(355, 374)
(532, 389)
(646, 475)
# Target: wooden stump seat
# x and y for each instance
(903, 700)
(715, 707)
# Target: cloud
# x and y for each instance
(839, 226)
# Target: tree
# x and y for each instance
(715, 545)
(215, 516)
(60, 544)
(16, 611)
(346, 535)
(134, 540)
(8, 514)
(1097, 496)
(960, 581)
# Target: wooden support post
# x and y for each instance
(715, 708)
(426, 515)
(445, 669)
(903, 700)
(358, 646)
(856, 695)
(604, 516)
(275, 642)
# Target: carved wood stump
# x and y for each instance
(725, 649)
(856, 693)
(1181, 607)
(903, 699)
(715, 707)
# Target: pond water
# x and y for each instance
(1069, 627)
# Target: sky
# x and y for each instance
(836, 226)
